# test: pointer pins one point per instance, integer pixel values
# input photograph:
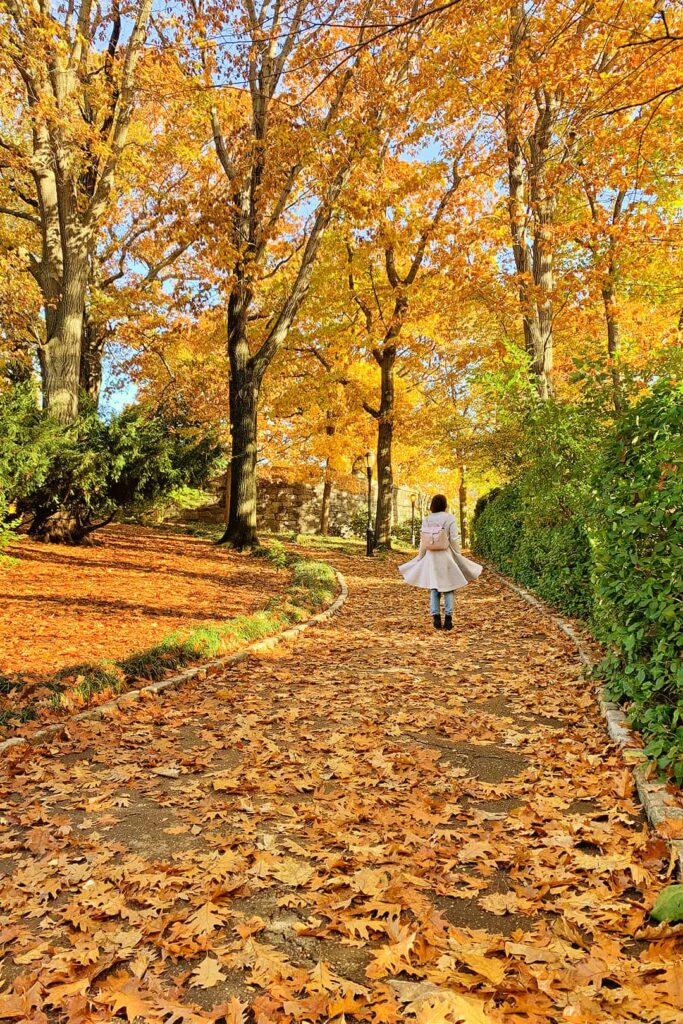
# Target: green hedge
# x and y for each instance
(543, 549)
(638, 570)
(534, 529)
(594, 525)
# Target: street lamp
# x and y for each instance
(370, 537)
(413, 499)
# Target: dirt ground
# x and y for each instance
(375, 822)
(132, 586)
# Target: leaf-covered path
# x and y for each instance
(377, 823)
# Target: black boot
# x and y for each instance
(448, 622)
(437, 621)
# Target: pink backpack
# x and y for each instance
(435, 538)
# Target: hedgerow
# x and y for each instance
(594, 525)
(638, 570)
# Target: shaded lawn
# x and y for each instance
(129, 589)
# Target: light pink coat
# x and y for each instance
(440, 570)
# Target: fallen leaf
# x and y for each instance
(207, 974)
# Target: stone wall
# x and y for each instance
(285, 505)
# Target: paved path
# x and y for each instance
(377, 823)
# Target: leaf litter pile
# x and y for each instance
(374, 823)
(128, 589)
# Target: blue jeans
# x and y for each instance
(434, 602)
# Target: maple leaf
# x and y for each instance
(234, 1011)
(251, 927)
(370, 882)
(204, 920)
(468, 1010)
(208, 973)
(13, 1007)
(320, 978)
(57, 994)
(174, 1013)
(492, 970)
(431, 1010)
(445, 1007)
(122, 992)
(292, 872)
(673, 985)
(36, 953)
(531, 954)
(500, 903)
(392, 958)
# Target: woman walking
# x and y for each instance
(440, 567)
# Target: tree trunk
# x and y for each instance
(394, 506)
(330, 429)
(462, 500)
(543, 207)
(609, 299)
(385, 436)
(613, 342)
(90, 375)
(61, 355)
(61, 527)
(325, 507)
(240, 532)
(531, 207)
(244, 387)
(542, 322)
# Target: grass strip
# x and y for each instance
(312, 587)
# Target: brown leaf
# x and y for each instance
(207, 974)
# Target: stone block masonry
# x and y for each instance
(286, 505)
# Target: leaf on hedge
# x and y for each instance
(669, 904)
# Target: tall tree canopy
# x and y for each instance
(367, 223)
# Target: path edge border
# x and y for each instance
(656, 802)
(130, 696)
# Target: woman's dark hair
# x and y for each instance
(438, 503)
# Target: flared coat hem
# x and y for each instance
(440, 570)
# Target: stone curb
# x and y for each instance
(659, 806)
(172, 682)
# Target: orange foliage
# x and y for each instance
(127, 590)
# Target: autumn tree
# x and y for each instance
(149, 272)
(630, 185)
(69, 90)
(408, 218)
(275, 108)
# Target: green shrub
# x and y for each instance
(275, 552)
(484, 500)
(313, 583)
(166, 506)
(593, 524)
(26, 439)
(639, 570)
(89, 680)
(535, 528)
(403, 532)
(498, 526)
(356, 522)
(529, 538)
(66, 481)
(27, 713)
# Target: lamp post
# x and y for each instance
(413, 499)
(370, 537)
